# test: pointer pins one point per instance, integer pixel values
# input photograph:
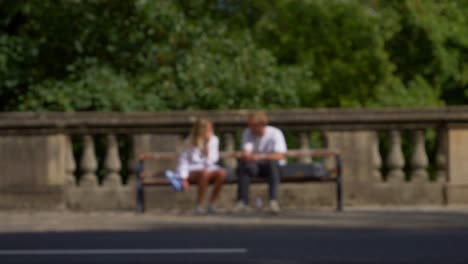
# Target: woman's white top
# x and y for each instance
(193, 158)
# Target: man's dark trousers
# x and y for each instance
(247, 170)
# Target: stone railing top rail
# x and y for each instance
(178, 121)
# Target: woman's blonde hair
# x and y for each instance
(197, 135)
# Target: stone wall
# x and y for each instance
(39, 168)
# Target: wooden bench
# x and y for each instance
(291, 172)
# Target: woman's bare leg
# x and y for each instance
(201, 178)
(217, 177)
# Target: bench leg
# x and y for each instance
(339, 185)
(140, 192)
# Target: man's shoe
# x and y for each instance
(274, 207)
(240, 207)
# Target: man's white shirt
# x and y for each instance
(272, 141)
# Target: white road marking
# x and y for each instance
(123, 251)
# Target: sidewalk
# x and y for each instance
(362, 217)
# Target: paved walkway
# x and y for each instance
(363, 217)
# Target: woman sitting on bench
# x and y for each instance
(197, 164)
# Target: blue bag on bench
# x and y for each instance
(175, 180)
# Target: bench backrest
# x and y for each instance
(291, 170)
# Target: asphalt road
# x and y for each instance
(240, 245)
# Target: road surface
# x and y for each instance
(240, 245)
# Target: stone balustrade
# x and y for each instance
(86, 160)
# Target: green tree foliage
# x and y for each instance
(339, 42)
(430, 46)
(84, 55)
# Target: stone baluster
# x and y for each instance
(112, 163)
(132, 161)
(229, 147)
(395, 160)
(441, 156)
(419, 159)
(328, 161)
(376, 159)
(70, 165)
(305, 143)
(88, 163)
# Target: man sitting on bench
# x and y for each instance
(263, 150)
